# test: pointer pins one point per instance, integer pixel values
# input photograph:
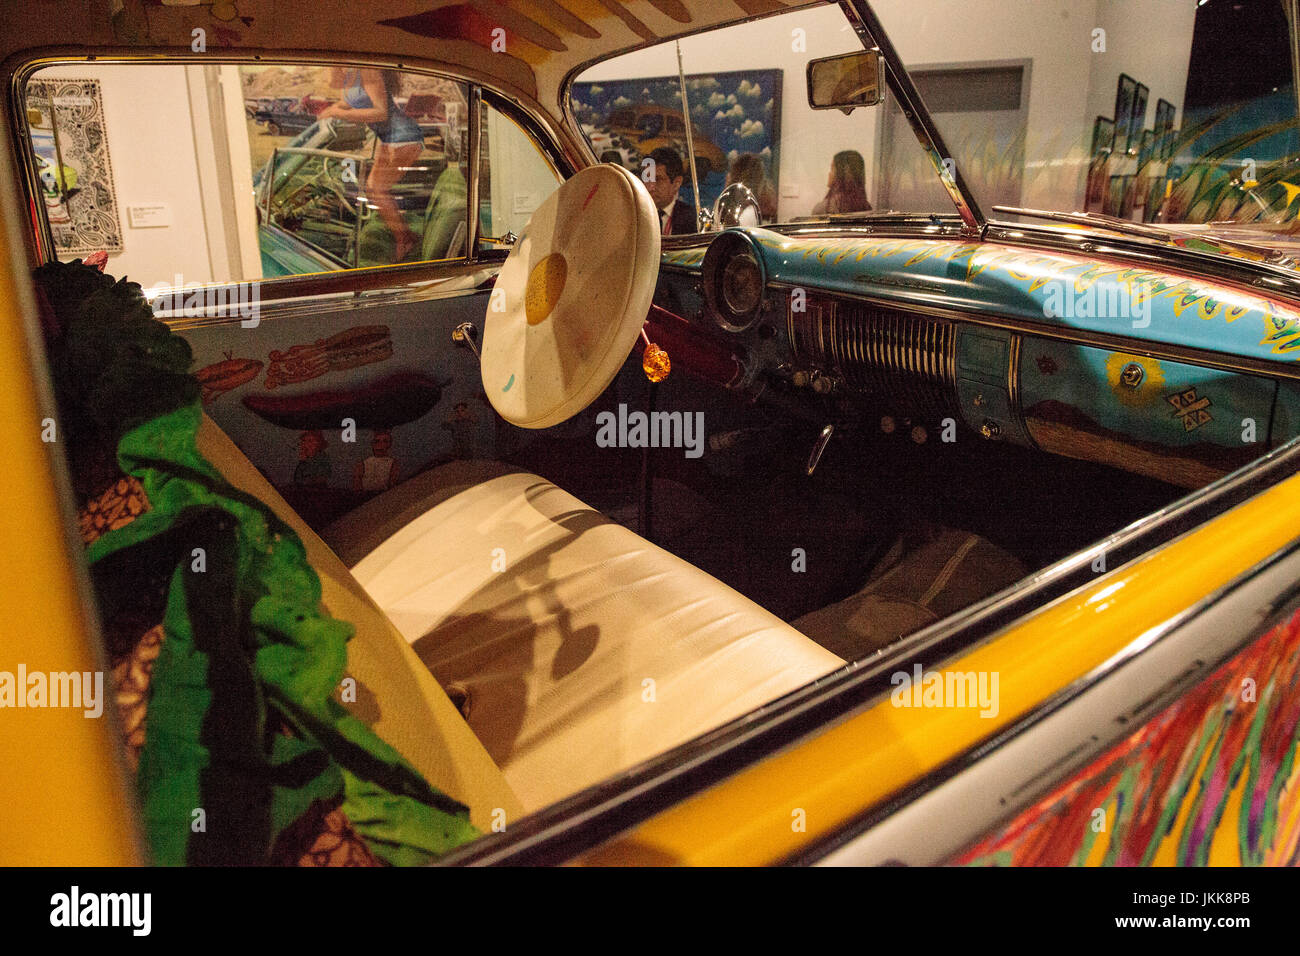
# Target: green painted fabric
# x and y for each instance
(248, 650)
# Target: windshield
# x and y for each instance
(1174, 114)
(751, 123)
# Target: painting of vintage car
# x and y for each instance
(732, 114)
(613, 147)
(284, 116)
(938, 520)
(651, 126)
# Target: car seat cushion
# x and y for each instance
(577, 648)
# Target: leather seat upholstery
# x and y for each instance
(396, 695)
(579, 648)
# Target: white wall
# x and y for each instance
(151, 148)
(520, 176)
(1150, 40)
(176, 136)
(1052, 34)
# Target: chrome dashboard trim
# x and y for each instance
(1258, 277)
(1177, 353)
(1013, 388)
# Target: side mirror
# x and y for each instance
(846, 82)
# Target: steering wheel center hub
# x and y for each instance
(544, 287)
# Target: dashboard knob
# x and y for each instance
(801, 378)
(1131, 375)
(990, 429)
(823, 384)
(919, 434)
(887, 424)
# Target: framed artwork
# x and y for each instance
(646, 112)
(1124, 96)
(1103, 136)
(66, 122)
(1094, 199)
(1155, 197)
(1119, 201)
(1127, 196)
(1164, 129)
(1139, 117)
(1142, 180)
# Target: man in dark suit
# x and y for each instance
(675, 216)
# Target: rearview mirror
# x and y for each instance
(846, 82)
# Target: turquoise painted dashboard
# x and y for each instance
(1026, 366)
(1049, 287)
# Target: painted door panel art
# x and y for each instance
(335, 415)
(1211, 780)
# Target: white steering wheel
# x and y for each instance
(571, 298)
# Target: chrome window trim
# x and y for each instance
(458, 279)
(477, 118)
(918, 117)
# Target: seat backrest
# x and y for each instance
(446, 211)
(396, 694)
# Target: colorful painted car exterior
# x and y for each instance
(1208, 777)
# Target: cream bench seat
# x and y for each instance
(396, 695)
(578, 648)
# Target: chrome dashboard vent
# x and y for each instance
(906, 359)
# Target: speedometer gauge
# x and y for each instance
(734, 281)
(742, 284)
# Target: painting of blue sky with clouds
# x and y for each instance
(732, 113)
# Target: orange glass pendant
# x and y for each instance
(655, 364)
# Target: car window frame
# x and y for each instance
(489, 99)
(528, 116)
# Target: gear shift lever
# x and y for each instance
(819, 446)
(464, 334)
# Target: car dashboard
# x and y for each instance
(1178, 378)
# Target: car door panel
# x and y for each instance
(311, 391)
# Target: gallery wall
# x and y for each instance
(810, 137)
(1150, 40)
(156, 163)
(1069, 83)
(1072, 76)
